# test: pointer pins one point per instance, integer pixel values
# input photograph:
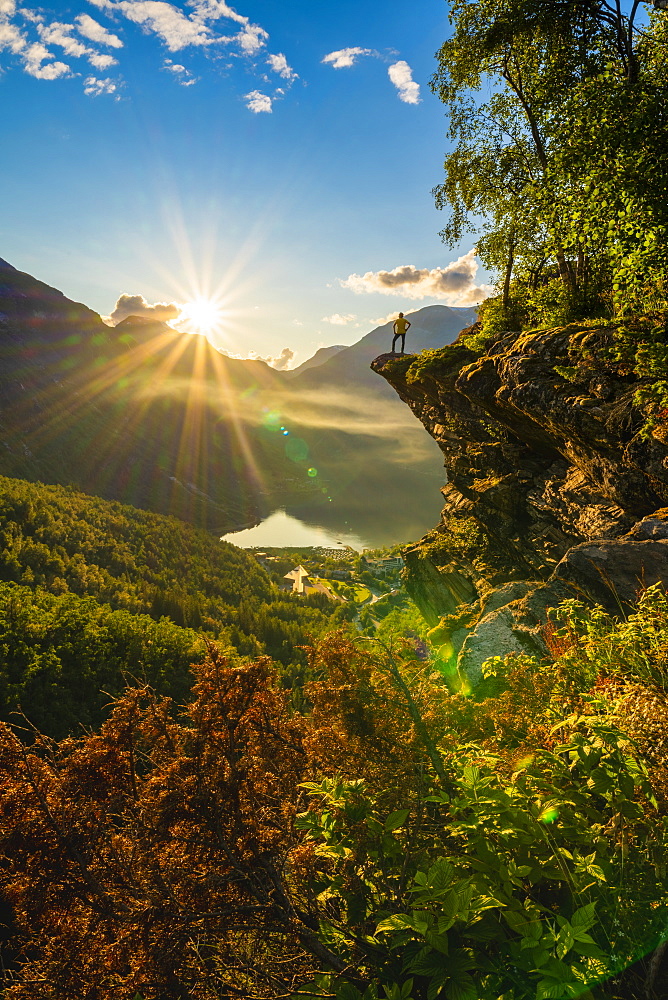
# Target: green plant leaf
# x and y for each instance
(396, 820)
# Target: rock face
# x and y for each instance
(552, 483)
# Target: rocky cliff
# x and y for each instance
(557, 483)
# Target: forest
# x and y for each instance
(94, 592)
(211, 790)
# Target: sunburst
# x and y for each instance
(201, 315)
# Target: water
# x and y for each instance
(281, 530)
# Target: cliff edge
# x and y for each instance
(557, 481)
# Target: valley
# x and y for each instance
(163, 421)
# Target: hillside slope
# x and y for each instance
(138, 412)
(431, 327)
(90, 589)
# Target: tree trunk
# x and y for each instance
(566, 272)
(509, 270)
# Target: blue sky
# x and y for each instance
(277, 158)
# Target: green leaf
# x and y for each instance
(429, 963)
(462, 988)
(346, 991)
(584, 917)
(396, 819)
(547, 989)
(397, 922)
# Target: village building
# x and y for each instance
(389, 564)
(299, 581)
(296, 580)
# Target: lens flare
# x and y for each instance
(201, 315)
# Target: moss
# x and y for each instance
(460, 536)
(466, 616)
(399, 366)
(442, 364)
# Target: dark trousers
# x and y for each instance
(403, 341)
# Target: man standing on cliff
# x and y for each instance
(399, 330)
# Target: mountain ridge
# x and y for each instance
(146, 415)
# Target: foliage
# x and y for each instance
(558, 155)
(643, 347)
(396, 842)
(535, 869)
(66, 544)
(148, 857)
(62, 658)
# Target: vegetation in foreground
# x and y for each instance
(397, 841)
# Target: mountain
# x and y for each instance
(321, 355)
(161, 420)
(137, 412)
(431, 327)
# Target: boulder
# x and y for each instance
(613, 572)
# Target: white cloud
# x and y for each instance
(175, 28)
(282, 362)
(338, 320)
(257, 102)
(401, 76)
(100, 60)
(96, 87)
(279, 64)
(345, 57)
(210, 10)
(251, 38)
(89, 28)
(32, 39)
(183, 75)
(454, 283)
(136, 305)
(36, 58)
(382, 320)
(60, 34)
(35, 55)
(11, 38)
(178, 29)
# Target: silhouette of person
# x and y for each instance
(399, 330)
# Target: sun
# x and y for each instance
(201, 315)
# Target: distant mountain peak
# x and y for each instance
(322, 355)
(5, 265)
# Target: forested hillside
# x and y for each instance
(95, 589)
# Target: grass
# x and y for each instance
(352, 591)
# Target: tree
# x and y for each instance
(533, 159)
(397, 842)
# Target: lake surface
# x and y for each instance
(282, 530)
(368, 527)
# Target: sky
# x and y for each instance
(261, 173)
